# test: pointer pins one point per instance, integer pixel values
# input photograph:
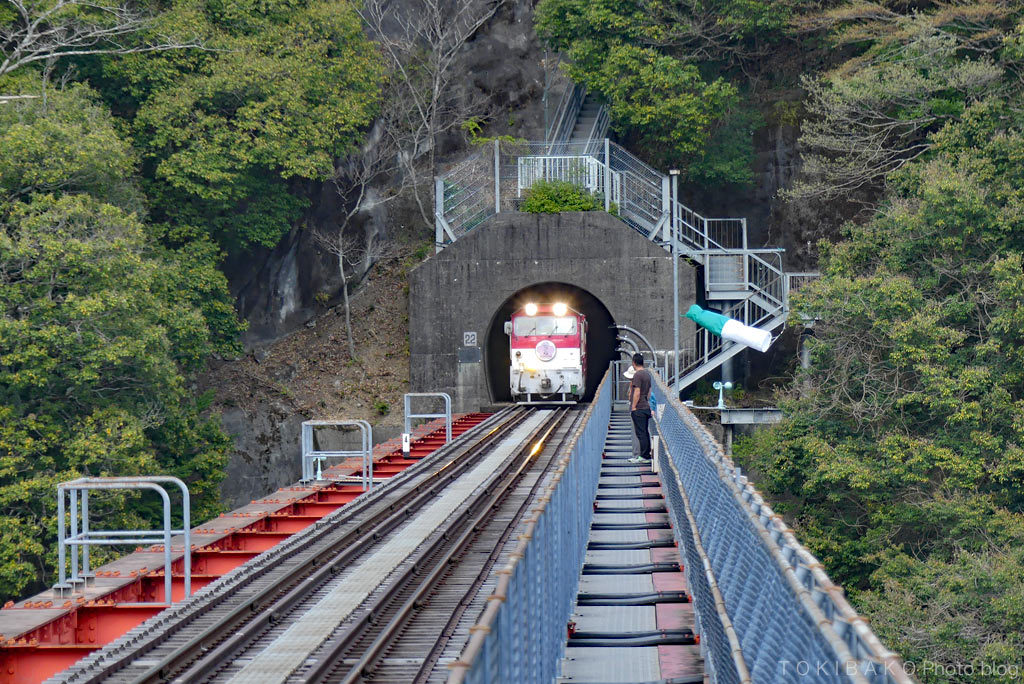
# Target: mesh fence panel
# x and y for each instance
(522, 164)
(774, 598)
(528, 632)
(468, 199)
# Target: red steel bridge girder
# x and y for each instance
(43, 636)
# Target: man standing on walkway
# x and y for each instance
(640, 408)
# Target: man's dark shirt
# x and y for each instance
(641, 379)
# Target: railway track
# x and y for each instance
(269, 606)
(405, 642)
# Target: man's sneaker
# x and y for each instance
(637, 459)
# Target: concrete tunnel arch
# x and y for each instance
(458, 297)
(600, 336)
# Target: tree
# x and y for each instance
(911, 74)
(43, 31)
(350, 252)
(902, 466)
(644, 59)
(421, 44)
(864, 125)
(73, 124)
(231, 137)
(101, 326)
(95, 342)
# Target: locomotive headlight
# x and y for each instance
(560, 309)
(531, 309)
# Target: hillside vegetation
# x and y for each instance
(125, 175)
(142, 144)
(901, 461)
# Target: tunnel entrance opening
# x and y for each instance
(600, 336)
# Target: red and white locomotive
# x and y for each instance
(548, 351)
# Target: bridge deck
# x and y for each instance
(632, 581)
(43, 635)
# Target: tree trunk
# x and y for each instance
(348, 308)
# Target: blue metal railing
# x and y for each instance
(765, 608)
(521, 634)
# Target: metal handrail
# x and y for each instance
(311, 455)
(447, 415)
(80, 541)
(600, 126)
(569, 108)
(560, 513)
(856, 651)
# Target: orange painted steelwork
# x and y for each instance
(69, 629)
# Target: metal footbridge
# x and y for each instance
(528, 548)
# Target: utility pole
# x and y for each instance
(675, 273)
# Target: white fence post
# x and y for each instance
(607, 176)
(438, 213)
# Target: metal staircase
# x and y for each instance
(579, 118)
(744, 283)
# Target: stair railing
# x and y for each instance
(566, 114)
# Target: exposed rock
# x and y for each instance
(504, 66)
(264, 396)
(266, 451)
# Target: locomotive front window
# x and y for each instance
(530, 326)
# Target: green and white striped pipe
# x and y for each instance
(730, 329)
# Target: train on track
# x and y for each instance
(548, 354)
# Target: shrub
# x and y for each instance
(552, 197)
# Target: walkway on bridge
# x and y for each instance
(527, 550)
(633, 621)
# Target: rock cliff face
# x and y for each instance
(281, 289)
(776, 161)
(264, 396)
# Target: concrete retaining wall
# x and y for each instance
(461, 289)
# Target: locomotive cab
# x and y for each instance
(547, 349)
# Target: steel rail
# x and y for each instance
(430, 661)
(248, 620)
(375, 506)
(482, 510)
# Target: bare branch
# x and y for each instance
(350, 252)
(860, 129)
(11, 98)
(47, 30)
(421, 43)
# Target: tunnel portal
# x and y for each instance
(600, 336)
(460, 298)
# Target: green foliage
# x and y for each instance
(903, 462)
(552, 197)
(968, 611)
(908, 73)
(227, 134)
(726, 156)
(664, 100)
(753, 18)
(639, 57)
(103, 320)
(73, 124)
(94, 342)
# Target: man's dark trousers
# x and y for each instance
(641, 419)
